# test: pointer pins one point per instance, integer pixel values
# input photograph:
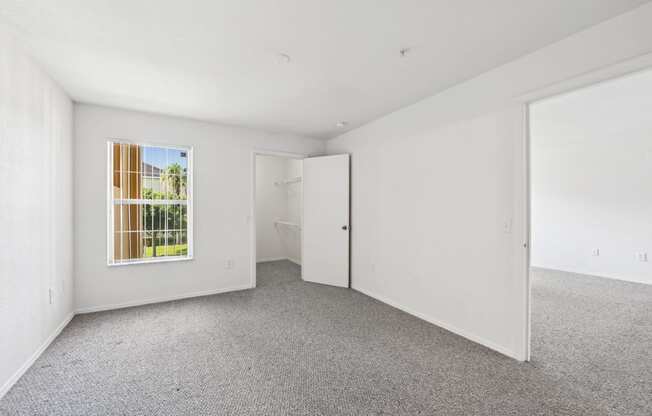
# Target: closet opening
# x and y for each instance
(278, 218)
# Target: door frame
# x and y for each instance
(585, 80)
(252, 205)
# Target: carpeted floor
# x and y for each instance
(595, 335)
(295, 348)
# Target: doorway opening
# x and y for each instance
(278, 213)
(299, 217)
(590, 274)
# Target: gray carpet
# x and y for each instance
(595, 334)
(295, 348)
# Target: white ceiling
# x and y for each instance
(217, 59)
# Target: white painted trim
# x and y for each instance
(32, 359)
(604, 74)
(252, 224)
(526, 237)
(472, 337)
(265, 260)
(109, 198)
(589, 79)
(584, 273)
(252, 209)
(268, 259)
(110, 307)
(295, 261)
(165, 259)
(287, 155)
(190, 197)
(110, 202)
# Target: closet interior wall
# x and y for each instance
(278, 208)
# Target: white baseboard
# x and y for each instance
(92, 309)
(591, 274)
(265, 260)
(295, 261)
(16, 376)
(30, 361)
(460, 332)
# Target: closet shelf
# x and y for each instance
(287, 223)
(288, 181)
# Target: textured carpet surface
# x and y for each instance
(295, 348)
(596, 335)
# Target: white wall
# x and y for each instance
(277, 202)
(271, 205)
(294, 192)
(591, 171)
(36, 210)
(222, 203)
(434, 184)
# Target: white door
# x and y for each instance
(325, 256)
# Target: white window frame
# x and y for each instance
(110, 202)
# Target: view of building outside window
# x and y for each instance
(150, 202)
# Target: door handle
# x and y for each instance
(344, 227)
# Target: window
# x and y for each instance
(150, 203)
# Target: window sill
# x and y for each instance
(163, 260)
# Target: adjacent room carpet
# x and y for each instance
(295, 348)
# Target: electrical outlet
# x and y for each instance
(229, 264)
(595, 252)
(641, 257)
(507, 226)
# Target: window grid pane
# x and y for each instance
(149, 206)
